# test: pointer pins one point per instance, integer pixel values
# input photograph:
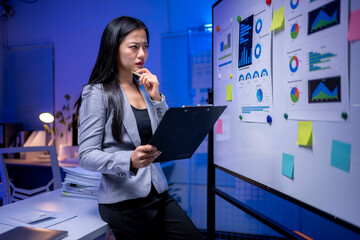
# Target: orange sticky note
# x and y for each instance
(354, 26)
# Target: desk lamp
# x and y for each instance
(48, 118)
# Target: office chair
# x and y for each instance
(11, 193)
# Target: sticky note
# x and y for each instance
(278, 19)
(229, 92)
(340, 155)
(354, 25)
(287, 168)
(219, 126)
(304, 133)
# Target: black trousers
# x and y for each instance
(157, 216)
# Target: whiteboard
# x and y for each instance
(255, 149)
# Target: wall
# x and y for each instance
(75, 28)
(186, 14)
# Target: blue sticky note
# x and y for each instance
(287, 165)
(340, 155)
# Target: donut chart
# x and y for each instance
(257, 51)
(258, 26)
(248, 76)
(294, 3)
(264, 72)
(294, 64)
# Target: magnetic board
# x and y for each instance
(261, 141)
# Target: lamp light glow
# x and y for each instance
(46, 117)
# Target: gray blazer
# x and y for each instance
(99, 151)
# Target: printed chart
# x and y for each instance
(223, 37)
(245, 43)
(317, 54)
(254, 76)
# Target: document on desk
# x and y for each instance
(34, 218)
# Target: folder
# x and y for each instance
(182, 130)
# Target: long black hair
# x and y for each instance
(105, 70)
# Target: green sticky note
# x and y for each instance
(304, 133)
(229, 92)
(278, 19)
(287, 168)
(340, 155)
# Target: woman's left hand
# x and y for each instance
(150, 82)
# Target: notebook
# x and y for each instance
(27, 233)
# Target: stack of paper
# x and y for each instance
(81, 183)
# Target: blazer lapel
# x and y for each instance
(150, 110)
(129, 122)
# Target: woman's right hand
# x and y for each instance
(144, 155)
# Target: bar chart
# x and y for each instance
(245, 43)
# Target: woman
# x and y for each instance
(116, 121)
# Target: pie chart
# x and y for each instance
(259, 95)
(294, 94)
(294, 31)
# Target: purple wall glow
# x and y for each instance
(75, 28)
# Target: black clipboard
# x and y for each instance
(182, 130)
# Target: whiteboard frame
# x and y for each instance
(274, 191)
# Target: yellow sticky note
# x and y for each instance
(304, 133)
(229, 92)
(278, 19)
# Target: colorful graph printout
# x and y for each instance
(324, 17)
(254, 95)
(316, 85)
(320, 61)
(245, 42)
(224, 47)
(324, 90)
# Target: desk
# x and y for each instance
(86, 226)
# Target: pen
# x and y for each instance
(136, 74)
(139, 75)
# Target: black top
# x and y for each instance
(143, 124)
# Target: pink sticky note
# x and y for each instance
(219, 126)
(354, 26)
